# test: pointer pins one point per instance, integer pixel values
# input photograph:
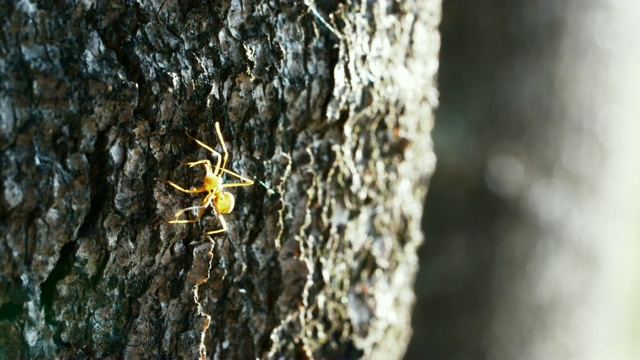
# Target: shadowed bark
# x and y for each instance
(328, 104)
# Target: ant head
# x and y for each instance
(225, 202)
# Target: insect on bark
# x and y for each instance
(222, 201)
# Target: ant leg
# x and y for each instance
(186, 221)
(215, 153)
(245, 181)
(205, 204)
(193, 191)
(224, 226)
(206, 164)
(224, 147)
(194, 163)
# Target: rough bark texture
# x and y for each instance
(334, 117)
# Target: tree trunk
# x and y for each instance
(329, 105)
(534, 251)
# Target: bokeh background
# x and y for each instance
(532, 221)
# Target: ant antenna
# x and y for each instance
(272, 194)
(314, 10)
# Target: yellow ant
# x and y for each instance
(221, 201)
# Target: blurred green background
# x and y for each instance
(532, 221)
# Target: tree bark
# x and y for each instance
(328, 104)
